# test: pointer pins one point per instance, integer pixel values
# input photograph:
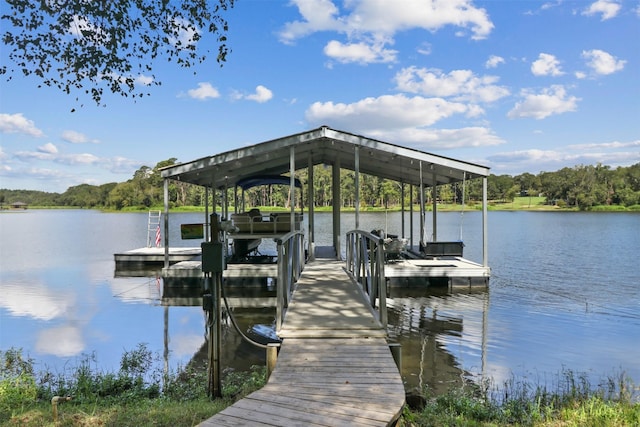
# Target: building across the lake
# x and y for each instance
(15, 206)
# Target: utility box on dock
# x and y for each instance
(212, 261)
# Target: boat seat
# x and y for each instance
(436, 249)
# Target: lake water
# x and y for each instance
(564, 294)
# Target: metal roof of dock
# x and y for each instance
(325, 146)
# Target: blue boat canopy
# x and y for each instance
(257, 180)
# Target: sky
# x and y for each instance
(518, 86)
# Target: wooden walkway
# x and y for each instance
(334, 367)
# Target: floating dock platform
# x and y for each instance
(155, 255)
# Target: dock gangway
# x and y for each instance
(335, 366)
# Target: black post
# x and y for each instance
(212, 266)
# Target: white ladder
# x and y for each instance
(153, 228)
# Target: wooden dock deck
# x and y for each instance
(334, 367)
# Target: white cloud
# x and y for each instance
(144, 80)
(552, 100)
(602, 62)
(51, 177)
(359, 52)
(462, 85)
(48, 148)
(76, 137)
(608, 8)
(33, 155)
(606, 145)
(186, 32)
(74, 159)
(384, 112)
(370, 25)
(494, 61)
(261, 95)
(121, 165)
(404, 120)
(50, 152)
(204, 91)
(532, 155)
(424, 48)
(441, 139)
(318, 15)
(535, 160)
(79, 27)
(550, 5)
(17, 123)
(546, 65)
(545, 6)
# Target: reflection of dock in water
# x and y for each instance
(441, 332)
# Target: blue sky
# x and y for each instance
(519, 86)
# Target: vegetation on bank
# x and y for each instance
(579, 188)
(140, 393)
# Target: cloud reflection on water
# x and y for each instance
(62, 341)
(22, 297)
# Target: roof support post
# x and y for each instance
(411, 215)
(166, 222)
(311, 203)
(225, 202)
(422, 208)
(235, 199)
(402, 207)
(292, 187)
(207, 223)
(335, 189)
(214, 201)
(434, 213)
(485, 231)
(357, 185)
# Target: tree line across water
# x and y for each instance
(580, 187)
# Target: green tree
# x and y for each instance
(500, 187)
(83, 195)
(390, 193)
(108, 45)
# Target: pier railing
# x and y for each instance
(365, 261)
(291, 261)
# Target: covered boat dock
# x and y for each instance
(342, 150)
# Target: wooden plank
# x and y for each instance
(253, 416)
(228, 420)
(364, 402)
(325, 417)
(381, 396)
(369, 411)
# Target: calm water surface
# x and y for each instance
(564, 294)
